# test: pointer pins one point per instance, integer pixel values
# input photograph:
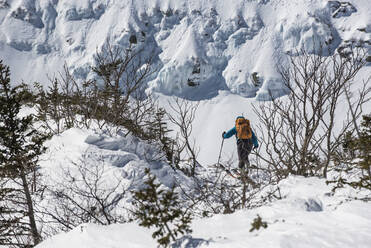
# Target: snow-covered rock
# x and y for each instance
(199, 47)
(340, 9)
(123, 157)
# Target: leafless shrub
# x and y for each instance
(82, 194)
(124, 73)
(216, 192)
(185, 150)
(299, 135)
(114, 101)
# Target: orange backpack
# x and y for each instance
(243, 128)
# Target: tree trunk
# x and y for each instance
(30, 213)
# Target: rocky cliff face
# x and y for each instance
(199, 47)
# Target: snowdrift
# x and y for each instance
(308, 215)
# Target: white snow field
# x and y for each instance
(222, 54)
(308, 216)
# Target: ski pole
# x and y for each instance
(220, 152)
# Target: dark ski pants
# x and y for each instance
(244, 147)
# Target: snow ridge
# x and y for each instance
(200, 47)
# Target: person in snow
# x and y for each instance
(246, 140)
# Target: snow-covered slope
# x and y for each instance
(123, 157)
(309, 215)
(220, 52)
(200, 46)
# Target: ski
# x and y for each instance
(237, 174)
(228, 171)
(243, 175)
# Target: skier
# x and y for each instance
(246, 140)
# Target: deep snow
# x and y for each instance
(307, 216)
(218, 45)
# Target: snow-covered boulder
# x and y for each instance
(198, 48)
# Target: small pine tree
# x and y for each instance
(355, 157)
(161, 209)
(49, 107)
(363, 145)
(258, 223)
(20, 147)
(158, 131)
